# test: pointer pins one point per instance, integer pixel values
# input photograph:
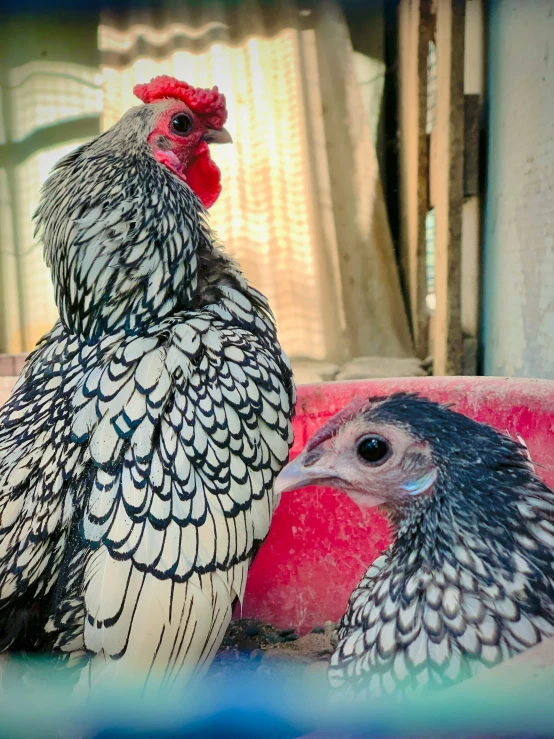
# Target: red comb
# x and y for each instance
(210, 104)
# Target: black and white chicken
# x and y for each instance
(139, 447)
(469, 579)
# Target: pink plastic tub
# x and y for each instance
(320, 543)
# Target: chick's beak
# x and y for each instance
(217, 136)
(295, 475)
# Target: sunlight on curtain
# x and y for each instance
(40, 95)
(263, 213)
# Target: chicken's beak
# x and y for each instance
(295, 475)
(217, 136)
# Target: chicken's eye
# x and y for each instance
(373, 449)
(181, 124)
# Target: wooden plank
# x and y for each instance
(472, 111)
(474, 48)
(374, 311)
(415, 32)
(474, 83)
(449, 191)
(471, 261)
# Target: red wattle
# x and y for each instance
(170, 160)
(203, 176)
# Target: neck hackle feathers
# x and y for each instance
(132, 256)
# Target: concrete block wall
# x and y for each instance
(518, 299)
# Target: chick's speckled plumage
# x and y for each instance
(139, 447)
(469, 579)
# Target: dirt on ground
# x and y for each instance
(253, 645)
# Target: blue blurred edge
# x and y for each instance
(247, 704)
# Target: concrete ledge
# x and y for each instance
(6, 386)
(12, 364)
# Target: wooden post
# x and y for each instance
(415, 32)
(447, 173)
(474, 87)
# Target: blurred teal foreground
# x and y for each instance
(249, 706)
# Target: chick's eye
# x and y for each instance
(373, 449)
(181, 124)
